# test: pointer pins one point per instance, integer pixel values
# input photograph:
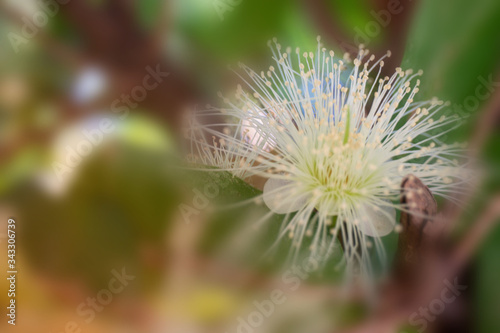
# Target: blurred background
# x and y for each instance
(92, 94)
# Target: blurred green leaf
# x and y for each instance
(488, 291)
(455, 43)
(149, 11)
(240, 31)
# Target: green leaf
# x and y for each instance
(455, 43)
(488, 292)
(149, 11)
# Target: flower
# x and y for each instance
(334, 141)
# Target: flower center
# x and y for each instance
(343, 171)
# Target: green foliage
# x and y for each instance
(454, 43)
(488, 293)
(243, 31)
(150, 11)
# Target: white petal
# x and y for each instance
(282, 202)
(252, 136)
(377, 221)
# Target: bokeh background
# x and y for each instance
(119, 207)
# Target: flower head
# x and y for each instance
(334, 141)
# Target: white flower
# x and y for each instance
(334, 152)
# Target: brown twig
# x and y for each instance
(423, 263)
(419, 225)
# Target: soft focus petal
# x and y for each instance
(282, 202)
(377, 221)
